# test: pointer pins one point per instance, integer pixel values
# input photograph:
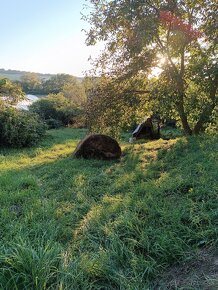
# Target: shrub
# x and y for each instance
(171, 133)
(71, 116)
(49, 107)
(53, 124)
(56, 107)
(19, 128)
(212, 127)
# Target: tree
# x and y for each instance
(179, 37)
(31, 83)
(75, 92)
(50, 107)
(10, 92)
(56, 83)
(54, 108)
(112, 106)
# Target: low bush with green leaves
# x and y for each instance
(56, 111)
(54, 124)
(20, 128)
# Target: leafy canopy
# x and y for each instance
(178, 37)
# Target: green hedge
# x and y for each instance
(20, 128)
(56, 111)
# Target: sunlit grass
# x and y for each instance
(44, 153)
(88, 224)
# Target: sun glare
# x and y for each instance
(158, 68)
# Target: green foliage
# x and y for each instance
(70, 86)
(178, 37)
(31, 83)
(54, 124)
(89, 224)
(20, 129)
(11, 92)
(56, 107)
(27, 267)
(2, 104)
(56, 83)
(50, 107)
(170, 133)
(75, 92)
(212, 127)
(113, 107)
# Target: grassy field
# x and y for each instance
(149, 221)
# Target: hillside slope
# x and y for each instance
(89, 224)
(16, 75)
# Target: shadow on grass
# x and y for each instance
(124, 222)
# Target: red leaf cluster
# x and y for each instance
(178, 24)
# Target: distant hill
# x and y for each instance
(15, 75)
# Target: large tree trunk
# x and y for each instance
(181, 95)
(183, 116)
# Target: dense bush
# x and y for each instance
(19, 128)
(56, 110)
(53, 124)
(72, 116)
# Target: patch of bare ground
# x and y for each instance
(198, 274)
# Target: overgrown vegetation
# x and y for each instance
(19, 128)
(89, 224)
(10, 92)
(57, 110)
(64, 106)
(112, 108)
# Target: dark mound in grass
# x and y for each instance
(97, 146)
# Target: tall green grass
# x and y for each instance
(89, 224)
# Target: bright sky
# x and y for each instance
(44, 36)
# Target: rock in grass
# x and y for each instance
(98, 146)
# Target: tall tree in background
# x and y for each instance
(31, 83)
(179, 37)
(56, 83)
(75, 92)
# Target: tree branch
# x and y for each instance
(168, 55)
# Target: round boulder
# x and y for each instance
(98, 146)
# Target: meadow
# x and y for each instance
(148, 221)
